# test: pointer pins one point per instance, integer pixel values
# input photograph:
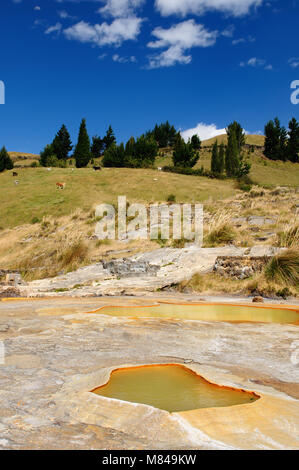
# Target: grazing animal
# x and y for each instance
(16, 182)
(49, 169)
(60, 185)
(97, 168)
(15, 173)
(159, 168)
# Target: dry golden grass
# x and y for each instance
(219, 230)
(222, 139)
(59, 245)
(210, 284)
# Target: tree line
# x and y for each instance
(280, 143)
(229, 160)
(57, 153)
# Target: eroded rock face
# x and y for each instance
(239, 268)
(145, 272)
(55, 354)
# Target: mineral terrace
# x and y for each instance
(56, 353)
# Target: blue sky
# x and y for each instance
(131, 63)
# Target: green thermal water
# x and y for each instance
(226, 313)
(171, 388)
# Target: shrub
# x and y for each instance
(221, 234)
(284, 268)
(171, 198)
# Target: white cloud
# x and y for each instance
(65, 15)
(199, 7)
(54, 29)
(255, 62)
(120, 30)
(120, 8)
(204, 131)
(123, 60)
(177, 39)
(294, 62)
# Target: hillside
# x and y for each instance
(258, 140)
(23, 159)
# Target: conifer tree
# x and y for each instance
(130, 147)
(47, 156)
(293, 142)
(97, 146)
(195, 141)
(82, 151)
(232, 155)
(184, 154)
(6, 162)
(237, 129)
(215, 159)
(115, 156)
(221, 159)
(109, 138)
(275, 140)
(62, 143)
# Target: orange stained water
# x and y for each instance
(225, 313)
(171, 388)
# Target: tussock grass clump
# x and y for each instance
(289, 237)
(220, 231)
(284, 268)
(73, 255)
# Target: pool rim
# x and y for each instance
(185, 367)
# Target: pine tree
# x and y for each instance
(232, 155)
(184, 154)
(47, 156)
(6, 162)
(293, 142)
(221, 159)
(145, 151)
(130, 147)
(196, 142)
(275, 140)
(97, 146)
(109, 138)
(215, 159)
(237, 129)
(115, 156)
(82, 151)
(62, 143)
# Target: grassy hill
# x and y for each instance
(36, 195)
(258, 140)
(23, 159)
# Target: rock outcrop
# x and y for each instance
(145, 272)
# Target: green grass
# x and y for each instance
(36, 195)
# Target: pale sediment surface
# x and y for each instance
(55, 354)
